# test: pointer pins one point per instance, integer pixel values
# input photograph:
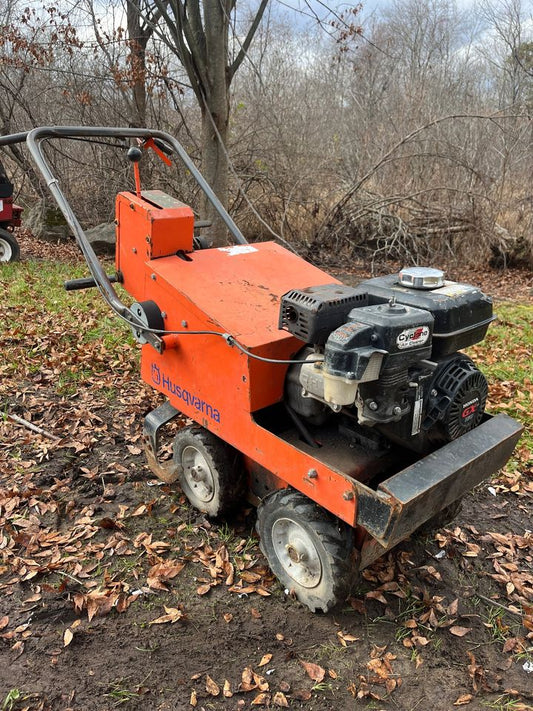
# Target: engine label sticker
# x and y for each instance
(469, 409)
(163, 381)
(451, 288)
(412, 337)
(237, 249)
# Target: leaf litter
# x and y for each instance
(76, 526)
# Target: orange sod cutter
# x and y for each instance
(349, 415)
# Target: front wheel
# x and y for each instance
(9, 247)
(209, 470)
(308, 550)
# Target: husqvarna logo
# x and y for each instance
(156, 374)
(164, 382)
(412, 337)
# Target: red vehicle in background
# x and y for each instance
(10, 217)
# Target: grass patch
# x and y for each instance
(11, 699)
(506, 703)
(119, 693)
(505, 359)
(59, 337)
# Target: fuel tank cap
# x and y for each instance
(421, 278)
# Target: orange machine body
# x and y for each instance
(231, 290)
(224, 305)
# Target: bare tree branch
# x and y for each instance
(247, 40)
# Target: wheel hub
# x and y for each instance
(197, 474)
(294, 554)
(297, 553)
(5, 251)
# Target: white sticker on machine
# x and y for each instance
(237, 249)
(451, 288)
(417, 416)
(412, 337)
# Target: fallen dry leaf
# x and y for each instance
(19, 648)
(463, 700)
(302, 694)
(314, 671)
(261, 699)
(173, 614)
(226, 691)
(162, 572)
(68, 636)
(264, 660)
(279, 699)
(133, 450)
(453, 607)
(460, 631)
(344, 639)
(357, 605)
(376, 595)
(211, 686)
(247, 678)
(420, 641)
(511, 644)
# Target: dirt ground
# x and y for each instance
(115, 594)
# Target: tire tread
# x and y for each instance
(335, 537)
(11, 240)
(226, 461)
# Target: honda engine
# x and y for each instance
(386, 353)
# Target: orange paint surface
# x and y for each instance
(236, 291)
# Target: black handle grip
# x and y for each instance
(87, 282)
(167, 150)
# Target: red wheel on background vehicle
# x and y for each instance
(9, 247)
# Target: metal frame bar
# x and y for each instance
(154, 420)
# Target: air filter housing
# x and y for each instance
(312, 314)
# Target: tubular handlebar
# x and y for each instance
(34, 138)
(88, 282)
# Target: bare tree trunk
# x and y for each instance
(215, 169)
(215, 113)
(138, 39)
(198, 33)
